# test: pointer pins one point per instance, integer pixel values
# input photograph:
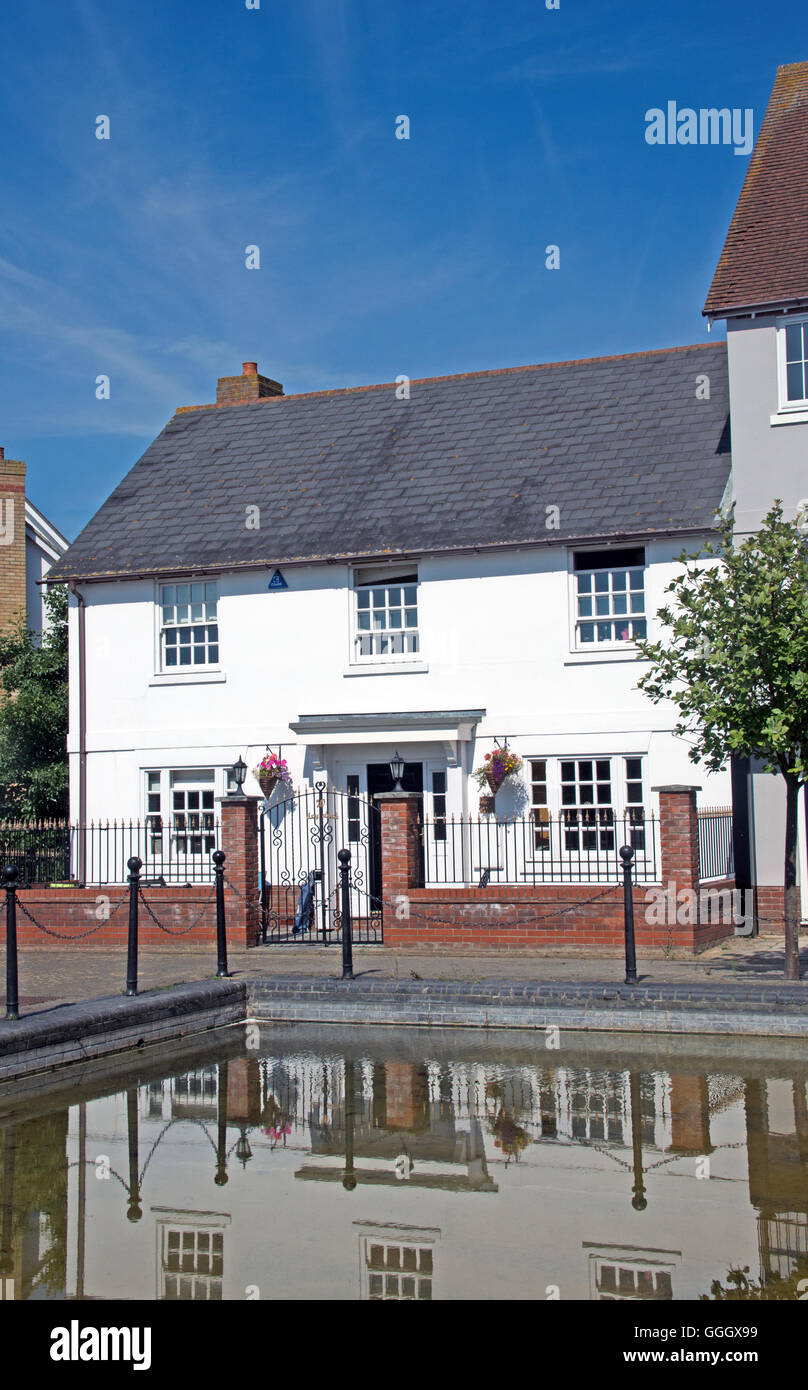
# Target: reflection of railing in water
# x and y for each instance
(554, 1103)
(782, 1242)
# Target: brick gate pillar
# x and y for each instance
(400, 845)
(240, 845)
(690, 1115)
(679, 837)
(244, 1089)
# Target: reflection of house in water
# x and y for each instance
(396, 1263)
(315, 1175)
(777, 1147)
(398, 1132)
(620, 1272)
(190, 1248)
(192, 1095)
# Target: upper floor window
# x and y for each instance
(386, 614)
(794, 363)
(609, 596)
(189, 632)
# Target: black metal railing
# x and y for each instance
(580, 846)
(58, 852)
(715, 843)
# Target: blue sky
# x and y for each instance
(276, 127)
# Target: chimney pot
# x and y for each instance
(249, 369)
(2, 452)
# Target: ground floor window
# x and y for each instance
(181, 812)
(588, 796)
(397, 1270)
(191, 1262)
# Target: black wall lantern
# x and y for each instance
(239, 774)
(397, 769)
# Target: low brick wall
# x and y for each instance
(74, 911)
(770, 904)
(578, 916)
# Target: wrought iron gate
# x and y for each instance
(300, 834)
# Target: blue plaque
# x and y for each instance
(277, 581)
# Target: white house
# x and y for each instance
(346, 575)
(431, 567)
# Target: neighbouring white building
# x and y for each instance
(435, 567)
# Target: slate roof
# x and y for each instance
(765, 255)
(621, 445)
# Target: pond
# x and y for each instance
(301, 1163)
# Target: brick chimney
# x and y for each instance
(12, 541)
(244, 389)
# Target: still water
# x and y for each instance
(292, 1163)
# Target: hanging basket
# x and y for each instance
(268, 781)
(492, 782)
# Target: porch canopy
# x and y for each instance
(448, 727)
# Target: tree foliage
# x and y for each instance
(33, 716)
(734, 661)
(739, 1288)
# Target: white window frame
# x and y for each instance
(193, 672)
(194, 1223)
(785, 406)
(162, 845)
(387, 578)
(594, 648)
(619, 804)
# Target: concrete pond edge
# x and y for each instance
(54, 1040)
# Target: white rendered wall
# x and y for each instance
(495, 635)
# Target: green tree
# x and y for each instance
(734, 660)
(33, 716)
(739, 1288)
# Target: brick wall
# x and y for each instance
(575, 916)
(578, 916)
(12, 542)
(73, 911)
(770, 900)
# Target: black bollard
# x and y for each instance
(221, 1120)
(134, 866)
(627, 854)
(638, 1200)
(134, 1211)
(12, 996)
(221, 927)
(344, 858)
